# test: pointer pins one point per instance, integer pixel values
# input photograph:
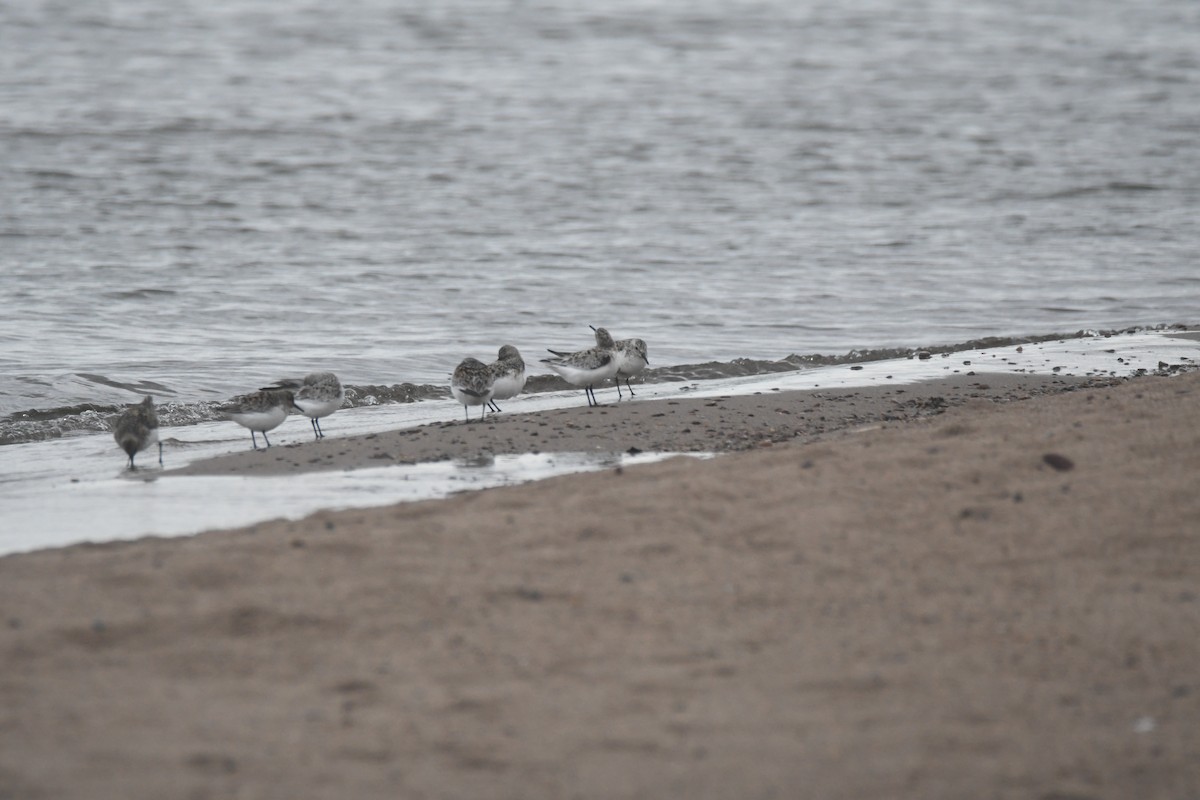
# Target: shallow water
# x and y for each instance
(130, 506)
(74, 489)
(198, 198)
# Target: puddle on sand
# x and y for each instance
(135, 505)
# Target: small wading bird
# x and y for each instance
(137, 429)
(587, 367)
(260, 411)
(316, 395)
(631, 360)
(508, 372)
(472, 384)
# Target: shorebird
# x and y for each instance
(260, 411)
(316, 395)
(587, 367)
(631, 361)
(137, 429)
(509, 374)
(472, 384)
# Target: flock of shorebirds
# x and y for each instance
(477, 384)
(472, 384)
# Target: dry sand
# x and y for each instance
(991, 594)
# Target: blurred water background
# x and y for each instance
(201, 196)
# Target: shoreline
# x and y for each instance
(20, 424)
(681, 424)
(67, 491)
(980, 597)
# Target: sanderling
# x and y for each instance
(587, 367)
(631, 361)
(137, 429)
(509, 373)
(260, 411)
(317, 395)
(472, 384)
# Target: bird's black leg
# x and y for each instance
(160, 454)
(265, 439)
(254, 439)
(617, 381)
(629, 386)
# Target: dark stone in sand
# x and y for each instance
(1059, 462)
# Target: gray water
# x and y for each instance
(198, 197)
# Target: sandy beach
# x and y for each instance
(979, 587)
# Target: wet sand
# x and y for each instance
(679, 425)
(950, 591)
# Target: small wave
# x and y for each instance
(375, 395)
(53, 423)
(41, 415)
(56, 174)
(139, 387)
(139, 294)
(1112, 187)
(290, 168)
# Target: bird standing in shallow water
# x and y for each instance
(509, 373)
(587, 367)
(137, 429)
(317, 395)
(260, 411)
(472, 384)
